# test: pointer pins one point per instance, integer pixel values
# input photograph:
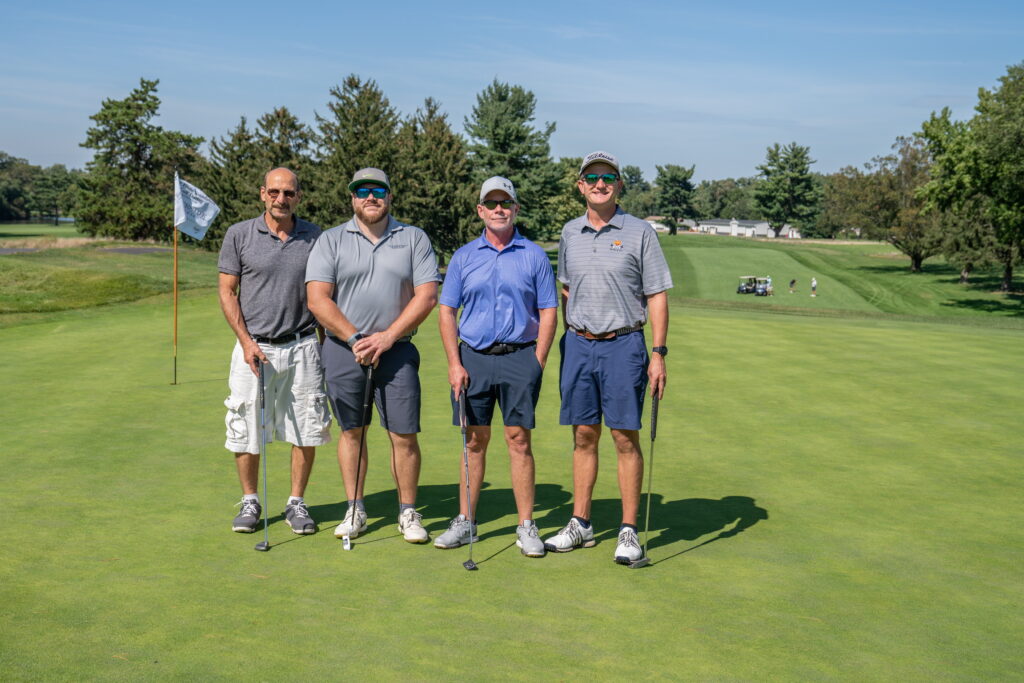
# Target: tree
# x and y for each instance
(55, 192)
(675, 193)
(129, 184)
(638, 196)
(726, 198)
(503, 141)
(847, 205)
(568, 203)
(911, 227)
(17, 178)
(436, 165)
(980, 164)
(239, 160)
(360, 130)
(787, 194)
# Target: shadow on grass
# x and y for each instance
(1012, 304)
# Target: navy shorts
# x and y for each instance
(512, 381)
(603, 379)
(396, 387)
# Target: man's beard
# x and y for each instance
(366, 220)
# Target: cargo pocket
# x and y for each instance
(235, 421)
(317, 420)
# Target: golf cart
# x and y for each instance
(747, 284)
(762, 287)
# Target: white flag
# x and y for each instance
(193, 210)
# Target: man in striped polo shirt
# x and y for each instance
(614, 278)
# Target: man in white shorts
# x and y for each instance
(263, 295)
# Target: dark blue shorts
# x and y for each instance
(396, 386)
(603, 379)
(512, 381)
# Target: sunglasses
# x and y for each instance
(492, 204)
(290, 194)
(608, 178)
(364, 192)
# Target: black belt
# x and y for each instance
(603, 336)
(501, 349)
(407, 338)
(286, 338)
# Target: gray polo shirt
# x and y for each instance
(373, 283)
(272, 288)
(611, 272)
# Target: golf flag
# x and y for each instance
(193, 210)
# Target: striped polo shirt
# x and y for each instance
(610, 272)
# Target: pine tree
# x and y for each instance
(128, 190)
(788, 194)
(361, 130)
(439, 193)
(504, 142)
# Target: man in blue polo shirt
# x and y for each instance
(614, 278)
(505, 287)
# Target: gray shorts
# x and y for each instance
(396, 387)
(512, 381)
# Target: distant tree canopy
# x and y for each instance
(728, 198)
(28, 191)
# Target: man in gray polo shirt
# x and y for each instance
(371, 282)
(614, 278)
(262, 268)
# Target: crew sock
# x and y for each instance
(585, 523)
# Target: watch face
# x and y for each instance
(663, 350)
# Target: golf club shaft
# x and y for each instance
(650, 468)
(367, 394)
(465, 462)
(263, 450)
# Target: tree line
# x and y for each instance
(954, 188)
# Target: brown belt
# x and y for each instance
(604, 336)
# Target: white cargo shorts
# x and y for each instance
(297, 410)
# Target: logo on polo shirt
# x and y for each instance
(617, 245)
(396, 245)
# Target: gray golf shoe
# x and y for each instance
(298, 519)
(528, 539)
(628, 549)
(457, 534)
(573, 535)
(248, 517)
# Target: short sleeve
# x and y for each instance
(451, 290)
(229, 261)
(320, 267)
(424, 261)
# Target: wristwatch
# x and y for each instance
(355, 337)
(663, 350)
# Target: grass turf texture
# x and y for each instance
(37, 230)
(836, 498)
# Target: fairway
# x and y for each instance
(837, 497)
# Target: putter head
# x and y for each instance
(642, 562)
(346, 542)
(470, 565)
(262, 546)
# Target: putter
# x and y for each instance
(346, 540)
(644, 559)
(264, 545)
(468, 564)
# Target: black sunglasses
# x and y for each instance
(274, 193)
(492, 204)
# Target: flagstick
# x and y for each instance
(175, 305)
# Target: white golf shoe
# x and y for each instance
(573, 535)
(410, 523)
(351, 527)
(628, 549)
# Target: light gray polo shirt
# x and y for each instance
(272, 287)
(610, 272)
(373, 283)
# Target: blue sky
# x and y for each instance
(705, 83)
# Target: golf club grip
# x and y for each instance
(462, 410)
(654, 417)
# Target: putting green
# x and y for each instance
(835, 499)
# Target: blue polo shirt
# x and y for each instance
(500, 292)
